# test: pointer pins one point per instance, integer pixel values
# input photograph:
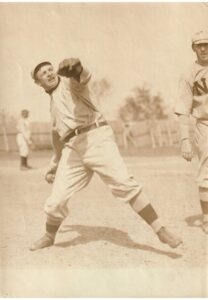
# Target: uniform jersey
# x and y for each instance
(193, 93)
(71, 105)
(23, 136)
(23, 127)
(193, 100)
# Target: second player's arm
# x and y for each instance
(183, 110)
(186, 145)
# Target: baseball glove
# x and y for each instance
(70, 67)
(51, 173)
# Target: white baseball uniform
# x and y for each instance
(92, 151)
(23, 136)
(193, 100)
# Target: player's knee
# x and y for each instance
(56, 209)
(126, 189)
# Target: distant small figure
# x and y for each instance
(24, 139)
(127, 135)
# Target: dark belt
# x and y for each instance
(84, 129)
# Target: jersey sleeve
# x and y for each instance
(184, 99)
(85, 77)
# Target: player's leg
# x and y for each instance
(71, 176)
(26, 160)
(23, 151)
(203, 192)
(108, 163)
(201, 140)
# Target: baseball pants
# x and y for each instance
(94, 151)
(22, 145)
(201, 141)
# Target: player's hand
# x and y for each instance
(31, 145)
(70, 67)
(49, 177)
(187, 150)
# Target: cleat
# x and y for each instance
(29, 167)
(167, 237)
(24, 168)
(45, 241)
(205, 227)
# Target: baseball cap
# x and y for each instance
(37, 68)
(200, 37)
(24, 112)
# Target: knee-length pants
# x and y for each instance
(94, 151)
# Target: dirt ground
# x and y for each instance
(103, 249)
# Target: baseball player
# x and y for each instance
(83, 143)
(127, 135)
(24, 139)
(193, 100)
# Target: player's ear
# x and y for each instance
(193, 47)
(37, 82)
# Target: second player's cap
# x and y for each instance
(37, 68)
(201, 37)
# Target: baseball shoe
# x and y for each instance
(29, 167)
(205, 227)
(167, 237)
(25, 168)
(45, 241)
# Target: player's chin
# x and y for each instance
(51, 84)
(204, 58)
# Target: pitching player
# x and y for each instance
(193, 100)
(83, 143)
(24, 139)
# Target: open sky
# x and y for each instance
(128, 43)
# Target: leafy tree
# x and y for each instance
(129, 110)
(142, 106)
(159, 108)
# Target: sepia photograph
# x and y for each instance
(104, 149)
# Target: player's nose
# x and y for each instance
(49, 73)
(202, 48)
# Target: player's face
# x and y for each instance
(202, 53)
(25, 115)
(47, 77)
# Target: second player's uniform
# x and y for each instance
(193, 100)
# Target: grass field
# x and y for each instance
(103, 249)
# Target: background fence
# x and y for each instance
(158, 133)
